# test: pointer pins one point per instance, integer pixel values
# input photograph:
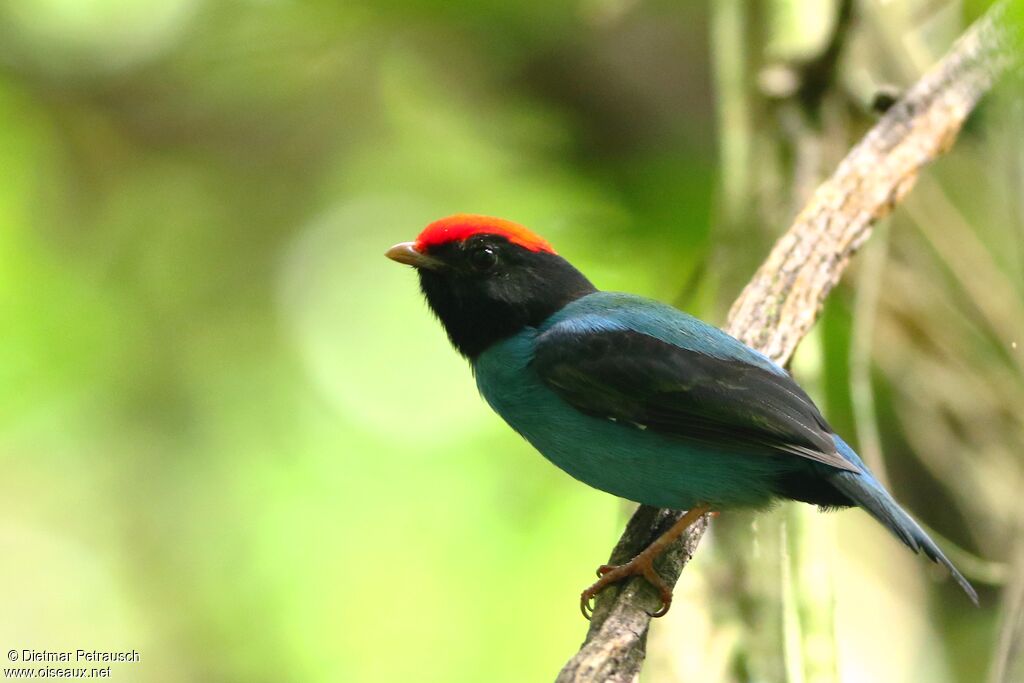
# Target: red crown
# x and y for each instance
(464, 225)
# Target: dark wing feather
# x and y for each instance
(636, 378)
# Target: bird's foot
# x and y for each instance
(641, 565)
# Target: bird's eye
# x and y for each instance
(483, 259)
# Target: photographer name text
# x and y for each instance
(101, 656)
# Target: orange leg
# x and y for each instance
(643, 565)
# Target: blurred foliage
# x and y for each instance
(233, 439)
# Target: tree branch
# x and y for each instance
(782, 301)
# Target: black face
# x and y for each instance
(485, 289)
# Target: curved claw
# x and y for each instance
(664, 591)
(588, 596)
(587, 603)
(665, 604)
(585, 607)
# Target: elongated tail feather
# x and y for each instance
(868, 493)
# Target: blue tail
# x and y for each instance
(868, 493)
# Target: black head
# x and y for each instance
(487, 279)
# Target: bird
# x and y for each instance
(635, 397)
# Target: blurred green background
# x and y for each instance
(233, 438)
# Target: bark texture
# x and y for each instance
(782, 301)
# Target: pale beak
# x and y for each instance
(407, 253)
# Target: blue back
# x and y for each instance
(615, 310)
